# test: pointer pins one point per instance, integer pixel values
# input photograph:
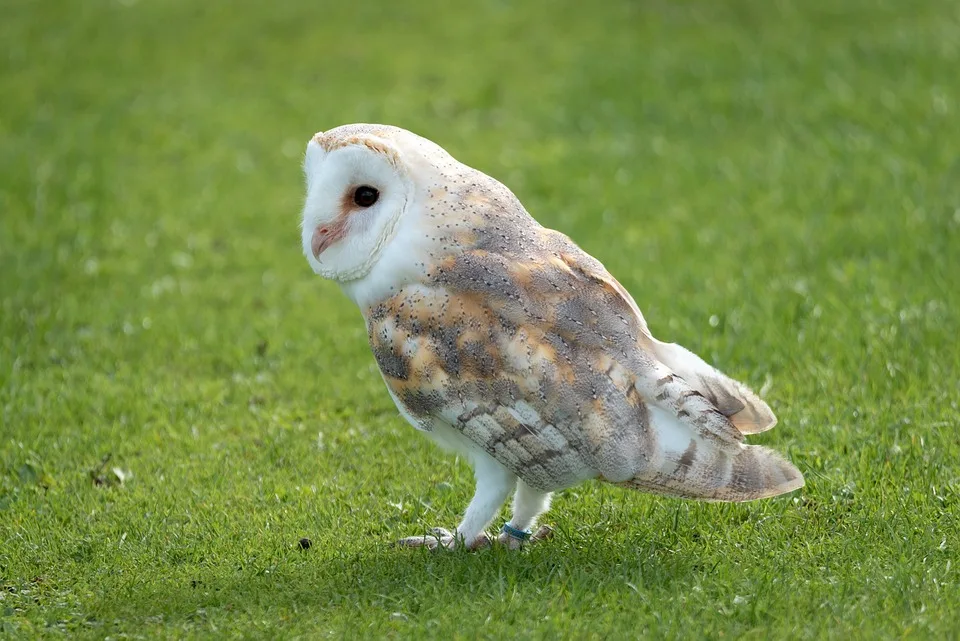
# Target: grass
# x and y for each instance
(777, 183)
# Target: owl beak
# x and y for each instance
(326, 235)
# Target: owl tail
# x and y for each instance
(694, 468)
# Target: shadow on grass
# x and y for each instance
(412, 581)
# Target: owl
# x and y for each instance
(503, 340)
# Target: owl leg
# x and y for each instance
(528, 504)
(494, 484)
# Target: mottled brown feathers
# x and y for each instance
(555, 334)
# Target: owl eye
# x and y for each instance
(365, 196)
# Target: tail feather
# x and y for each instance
(755, 473)
(695, 468)
(748, 413)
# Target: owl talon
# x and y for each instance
(439, 538)
(514, 543)
(482, 541)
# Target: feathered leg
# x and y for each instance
(528, 505)
(494, 484)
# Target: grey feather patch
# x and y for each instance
(686, 460)
(391, 363)
(719, 396)
(423, 402)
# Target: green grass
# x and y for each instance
(777, 183)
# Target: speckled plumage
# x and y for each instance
(505, 340)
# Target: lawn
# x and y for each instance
(182, 400)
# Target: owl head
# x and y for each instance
(362, 181)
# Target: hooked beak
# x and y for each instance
(326, 235)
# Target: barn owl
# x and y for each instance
(503, 340)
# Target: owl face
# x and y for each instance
(358, 189)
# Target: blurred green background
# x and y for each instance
(777, 183)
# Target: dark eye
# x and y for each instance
(365, 195)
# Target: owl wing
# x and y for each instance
(748, 413)
(545, 362)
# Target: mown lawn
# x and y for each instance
(777, 183)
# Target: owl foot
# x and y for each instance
(512, 541)
(439, 538)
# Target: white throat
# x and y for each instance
(399, 263)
